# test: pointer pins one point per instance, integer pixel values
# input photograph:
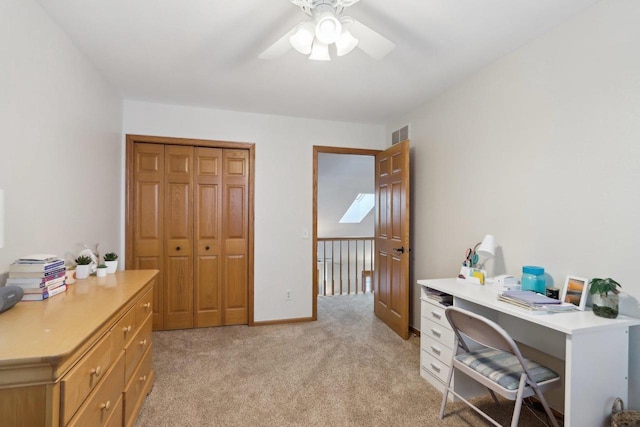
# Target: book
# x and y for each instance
(44, 295)
(28, 267)
(529, 297)
(32, 282)
(50, 286)
(37, 259)
(36, 275)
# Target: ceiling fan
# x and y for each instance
(328, 27)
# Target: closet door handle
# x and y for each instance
(177, 248)
(206, 248)
(400, 249)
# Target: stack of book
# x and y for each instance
(39, 276)
(534, 302)
(441, 297)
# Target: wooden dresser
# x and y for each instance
(82, 358)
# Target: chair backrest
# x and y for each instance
(481, 330)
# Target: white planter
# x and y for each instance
(112, 266)
(82, 271)
(101, 272)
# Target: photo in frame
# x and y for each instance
(575, 291)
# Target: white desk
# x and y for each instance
(595, 350)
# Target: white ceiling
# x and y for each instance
(205, 52)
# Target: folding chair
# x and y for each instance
(498, 364)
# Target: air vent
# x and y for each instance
(400, 135)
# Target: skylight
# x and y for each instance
(360, 207)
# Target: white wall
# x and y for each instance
(283, 197)
(542, 150)
(60, 134)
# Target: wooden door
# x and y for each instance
(178, 230)
(235, 219)
(208, 247)
(147, 233)
(391, 301)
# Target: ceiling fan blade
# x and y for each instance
(280, 47)
(372, 43)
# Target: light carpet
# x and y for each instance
(346, 369)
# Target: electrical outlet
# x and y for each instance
(287, 296)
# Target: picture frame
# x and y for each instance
(575, 291)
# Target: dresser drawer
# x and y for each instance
(85, 376)
(143, 308)
(124, 331)
(436, 331)
(134, 392)
(434, 366)
(438, 349)
(105, 401)
(138, 346)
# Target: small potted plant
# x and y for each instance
(111, 261)
(604, 296)
(101, 271)
(83, 267)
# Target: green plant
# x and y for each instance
(102, 266)
(83, 260)
(110, 256)
(603, 286)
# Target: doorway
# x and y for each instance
(358, 270)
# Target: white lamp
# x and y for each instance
(486, 248)
(302, 39)
(1, 218)
(346, 42)
(320, 51)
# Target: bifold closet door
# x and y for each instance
(148, 218)
(178, 233)
(235, 234)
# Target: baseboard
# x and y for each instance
(282, 321)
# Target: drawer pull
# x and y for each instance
(96, 371)
(146, 305)
(436, 315)
(143, 343)
(435, 367)
(105, 406)
(126, 329)
(143, 378)
(436, 332)
(436, 350)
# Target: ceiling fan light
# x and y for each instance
(345, 43)
(302, 39)
(320, 51)
(328, 28)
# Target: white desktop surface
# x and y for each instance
(594, 373)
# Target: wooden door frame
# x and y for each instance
(129, 182)
(317, 149)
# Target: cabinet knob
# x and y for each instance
(146, 305)
(206, 248)
(126, 329)
(96, 371)
(106, 405)
(143, 378)
(143, 342)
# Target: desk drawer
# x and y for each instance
(437, 332)
(124, 331)
(85, 376)
(135, 392)
(434, 366)
(144, 307)
(435, 312)
(438, 349)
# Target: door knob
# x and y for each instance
(400, 249)
(206, 248)
(177, 248)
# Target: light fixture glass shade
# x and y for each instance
(345, 43)
(328, 28)
(487, 248)
(319, 51)
(302, 39)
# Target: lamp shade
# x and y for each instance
(345, 43)
(320, 51)
(487, 248)
(302, 39)
(328, 28)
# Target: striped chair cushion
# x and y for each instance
(504, 368)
